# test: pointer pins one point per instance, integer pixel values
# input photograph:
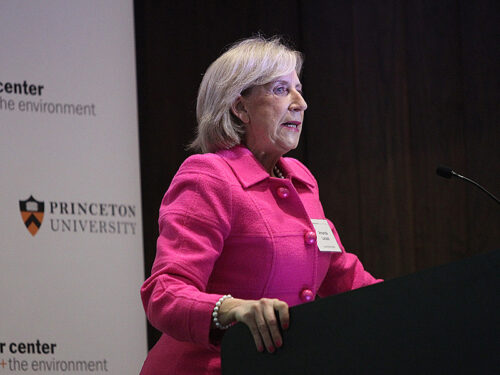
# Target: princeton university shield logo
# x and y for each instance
(32, 214)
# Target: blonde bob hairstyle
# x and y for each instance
(248, 63)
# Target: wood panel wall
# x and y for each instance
(394, 88)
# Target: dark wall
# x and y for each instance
(394, 88)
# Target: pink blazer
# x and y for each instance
(227, 227)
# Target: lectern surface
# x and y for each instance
(444, 320)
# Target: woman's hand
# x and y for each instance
(260, 317)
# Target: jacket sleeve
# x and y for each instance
(193, 224)
(345, 272)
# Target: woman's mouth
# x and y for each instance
(292, 125)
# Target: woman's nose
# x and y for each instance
(298, 103)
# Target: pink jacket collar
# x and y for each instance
(249, 171)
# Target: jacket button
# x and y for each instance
(283, 192)
(310, 237)
(307, 295)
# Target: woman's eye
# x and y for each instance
(280, 90)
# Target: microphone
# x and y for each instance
(447, 172)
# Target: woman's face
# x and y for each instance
(273, 115)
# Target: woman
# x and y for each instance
(236, 239)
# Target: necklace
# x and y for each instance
(277, 172)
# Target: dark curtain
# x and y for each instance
(394, 88)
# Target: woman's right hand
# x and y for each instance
(260, 317)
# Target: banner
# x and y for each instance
(71, 256)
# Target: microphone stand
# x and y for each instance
(448, 173)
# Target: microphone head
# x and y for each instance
(445, 172)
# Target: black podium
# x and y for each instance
(443, 320)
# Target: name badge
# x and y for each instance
(324, 236)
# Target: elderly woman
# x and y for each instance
(243, 235)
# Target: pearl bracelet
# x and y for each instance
(215, 314)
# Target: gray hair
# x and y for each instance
(248, 63)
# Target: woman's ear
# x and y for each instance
(238, 109)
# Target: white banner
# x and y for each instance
(71, 259)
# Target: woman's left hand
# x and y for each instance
(260, 317)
